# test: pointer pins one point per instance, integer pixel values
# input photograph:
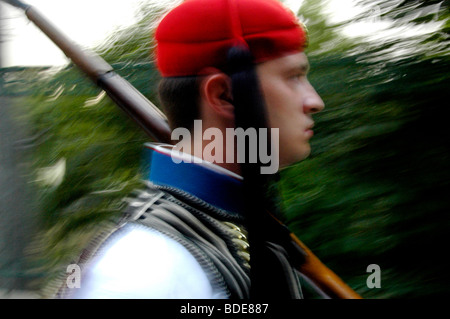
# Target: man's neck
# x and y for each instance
(206, 151)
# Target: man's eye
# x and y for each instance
(298, 76)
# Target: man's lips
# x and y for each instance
(309, 132)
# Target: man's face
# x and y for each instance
(290, 101)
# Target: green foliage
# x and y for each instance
(375, 188)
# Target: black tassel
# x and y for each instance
(268, 276)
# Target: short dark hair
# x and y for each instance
(180, 96)
(180, 99)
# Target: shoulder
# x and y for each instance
(138, 262)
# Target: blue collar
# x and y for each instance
(211, 183)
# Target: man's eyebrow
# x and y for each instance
(301, 68)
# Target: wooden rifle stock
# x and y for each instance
(309, 265)
(154, 123)
(322, 276)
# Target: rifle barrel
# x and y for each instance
(127, 97)
(136, 105)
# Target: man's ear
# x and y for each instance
(216, 92)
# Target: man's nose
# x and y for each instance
(312, 102)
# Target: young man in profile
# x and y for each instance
(224, 63)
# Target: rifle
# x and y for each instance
(154, 123)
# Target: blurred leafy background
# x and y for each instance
(374, 190)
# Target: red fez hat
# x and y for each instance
(198, 34)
